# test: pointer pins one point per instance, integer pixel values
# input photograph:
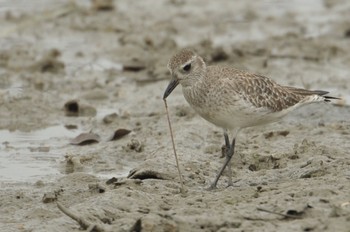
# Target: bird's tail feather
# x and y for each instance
(312, 92)
(326, 98)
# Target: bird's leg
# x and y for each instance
(229, 157)
(229, 165)
(230, 149)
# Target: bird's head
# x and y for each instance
(186, 68)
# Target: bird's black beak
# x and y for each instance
(171, 86)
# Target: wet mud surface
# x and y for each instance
(99, 68)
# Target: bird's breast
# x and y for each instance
(207, 106)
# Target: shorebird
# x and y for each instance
(233, 99)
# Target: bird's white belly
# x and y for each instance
(240, 115)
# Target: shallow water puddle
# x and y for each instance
(29, 156)
(32, 156)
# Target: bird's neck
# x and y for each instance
(194, 92)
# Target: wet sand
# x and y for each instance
(110, 60)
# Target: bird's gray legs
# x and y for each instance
(229, 165)
(230, 150)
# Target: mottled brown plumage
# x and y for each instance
(233, 99)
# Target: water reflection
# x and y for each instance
(29, 156)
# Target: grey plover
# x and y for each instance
(233, 99)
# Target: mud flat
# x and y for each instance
(99, 68)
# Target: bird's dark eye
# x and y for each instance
(187, 67)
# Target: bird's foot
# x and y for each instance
(230, 183)
(212, 187)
